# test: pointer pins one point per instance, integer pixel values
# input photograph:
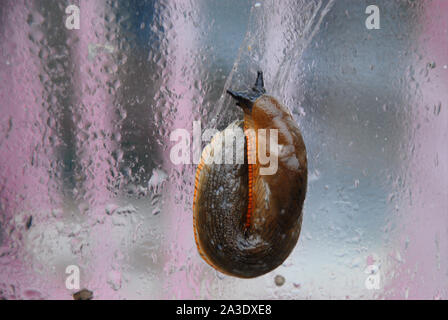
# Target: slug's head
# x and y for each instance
(246, 99)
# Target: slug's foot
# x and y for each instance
(246, 99)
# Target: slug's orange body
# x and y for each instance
(246, 223)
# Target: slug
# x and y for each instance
(247, 223)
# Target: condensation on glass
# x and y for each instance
(86, 178)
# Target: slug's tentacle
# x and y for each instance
(259, 83)
(246, 99)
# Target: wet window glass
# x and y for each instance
(91, 96)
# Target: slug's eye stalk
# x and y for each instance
(259, 84)
(246, 99)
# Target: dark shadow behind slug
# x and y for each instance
(245, 223)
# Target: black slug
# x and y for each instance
(246, 223)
